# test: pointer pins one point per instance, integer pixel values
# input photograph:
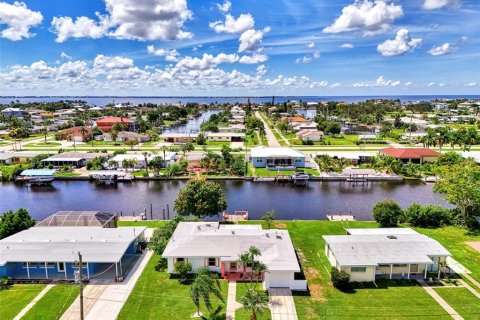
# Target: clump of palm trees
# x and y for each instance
(204, 286)
(253, 300)
(442, 136)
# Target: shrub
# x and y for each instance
(340, 279)
(4, 283)
(428, 216)
(183, 268)
(387, 213)
(307, 142)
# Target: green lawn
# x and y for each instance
(66, 174)
(454, 238)
(54, 303)
(391, 300)
(156, 296)
(242, 314)
(342, 140)
(144, 223)
(462, 300)
(43, 144)
(15, 298)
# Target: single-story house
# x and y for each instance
(309, 134)
(179, 137)
(139, 159)
(368, 254)
(237, 119)
(77, 134)
(237, 111)
(233, 128)
(107, 123)
(8, 158)
(277, 158)
(74, 159)
(225, 136)
(125, 136)
(41, 128)
(298, 126)
(415, 155)
(13, 112)
(52, 252)
(475, 155)
(294, 120)
(194, 159)
(209, 244)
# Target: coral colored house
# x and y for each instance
(106, 124)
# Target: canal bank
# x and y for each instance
(312, 202)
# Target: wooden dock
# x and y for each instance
(341, 217)
(236, 216)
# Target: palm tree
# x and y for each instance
(145, 158)
(442, 136)
(254, 301)
(430, 138)
(114, 136)
(46, 123)
(203, 287)
(113, 164)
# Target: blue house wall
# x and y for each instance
(259, 162)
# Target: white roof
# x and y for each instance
(207, 239)
(179, 135)
(9, 155)
(386, 246)
(265, 152)
(53, 244)
(350, 155)
(466, 154)
(140, 157)
(225, 134)
(380, 231)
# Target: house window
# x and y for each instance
(358, 269)
(233, 266)
(259, 160)
(50, 265)
(181, 260)
(212, 262)
(414, 268)
(399, 265)
(61, 266)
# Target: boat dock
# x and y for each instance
(236, 216)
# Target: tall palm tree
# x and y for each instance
(254, 301)
(145, 158)
(46, 123)
(202, 288)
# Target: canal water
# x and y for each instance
(193, 124)
(311, 203)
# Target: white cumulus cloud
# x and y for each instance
(129, 19)
(347, 46)
(241, 24)
(442, 49)
(251, 40)
(224, 7)
(207, 61)
(470, 84)
(115, 62)
(170, 55)
(253, 59)
(371, 17)
(18, 19)
(400, 45)
(438, 4)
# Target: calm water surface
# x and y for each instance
(312, 202)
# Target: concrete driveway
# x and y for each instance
(281, 304)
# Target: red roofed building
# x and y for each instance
(106, 124)
(415, 155)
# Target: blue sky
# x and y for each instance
(247, 47)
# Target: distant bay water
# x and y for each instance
(104, 100)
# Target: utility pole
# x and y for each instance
(80, 275)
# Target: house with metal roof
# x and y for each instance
(52, 252)
(277, 158)
(368, 254)
(209, 244)
(74, 159)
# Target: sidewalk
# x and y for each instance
(440, 300)
(33, 302)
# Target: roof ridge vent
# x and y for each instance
(391, 237)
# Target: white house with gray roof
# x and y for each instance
(367, 254)
(209, 244)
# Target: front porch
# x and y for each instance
(231, 271)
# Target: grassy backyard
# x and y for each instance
(145, 223)
(399, 299)
(157, 296)
(54, 303)
(16, 297)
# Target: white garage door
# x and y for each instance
(279, 279)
